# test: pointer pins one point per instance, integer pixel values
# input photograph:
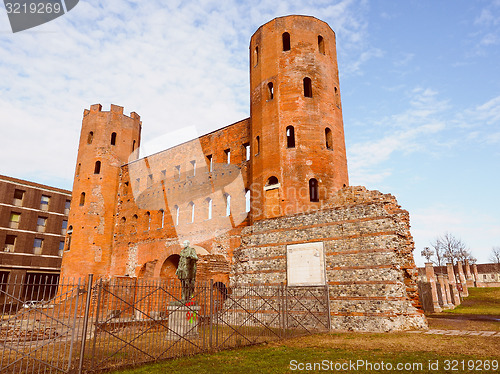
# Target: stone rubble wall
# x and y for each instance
(370, 270)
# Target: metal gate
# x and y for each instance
(38, 335)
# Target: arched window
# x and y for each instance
(321, 44)
(257, 145)
(271, 183)
(286, 41)
(290, 137)
(191, 207)
(209, 203)
(228, 204)
(97, 168)
(247, 201)
(308, 87)
(82, 199)
(176, 209)
(113, 138)
(256, 56)
(328, 138)
(78, 169)
(148, 220)
(133, 146)
(313, 190)
(124, 220)
(270, 94)
(90, 137)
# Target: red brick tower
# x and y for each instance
(299, 158)
(107, 141)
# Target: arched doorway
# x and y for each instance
(169, 267)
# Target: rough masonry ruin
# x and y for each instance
(265, 200)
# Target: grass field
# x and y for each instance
(412, 349)
(484, 301)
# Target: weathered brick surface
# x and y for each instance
(137, 212)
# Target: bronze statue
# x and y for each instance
(186, 271)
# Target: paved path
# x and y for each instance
(460, 332)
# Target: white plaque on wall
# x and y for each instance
(305, 264)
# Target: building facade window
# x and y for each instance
(113, 138)
(162, 213)
(90, 137)
(290, 137)
(228, 204)
(10, 243)
(37, 246)
(193, 167)
(61, 249)
(286, 41)
(148, 220)
(321, 44)
(270, 91)
(227, 156)
(210, 163)
(191, 208)
(247, 149)
(67, 206)
(41, 224)
(177, 172)
(97, 168)
(18, 197)
(307, 87)
(82, 199)
(64, 227)
(313, 190)
(44, 202)
(14, 220)
(68, 238)
(209, 207)
(328, 138)
(257, 145)
(176, 210)
(247, 201)
(256, 56)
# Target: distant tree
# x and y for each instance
(449, 248)
(495, 255)
(427, 253)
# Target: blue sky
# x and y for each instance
(419, 82)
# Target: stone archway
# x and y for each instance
(169, 267)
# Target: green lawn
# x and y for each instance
(412, 349)
(484, 301)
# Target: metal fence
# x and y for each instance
(87, 326)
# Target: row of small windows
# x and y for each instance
(90, 139)
(191, 208)
(286, 44)
(307, 89)
(273, 182)
(41, 223)
(38, 245)
(18, 200)
(290, 139)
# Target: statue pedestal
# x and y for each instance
(183, 321)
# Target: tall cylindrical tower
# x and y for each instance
(107, 141)
(299, 158)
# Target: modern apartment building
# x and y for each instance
(33, 224)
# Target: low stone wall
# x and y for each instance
(368, 251)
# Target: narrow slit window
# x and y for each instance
(290, 137)
(270, 93)
(90, 138)
(321, 44)
(228, 204)
(209, 206)
(328, 138)
(247, 151)
(210, 163)
(286, 41)
(162, 212)
(177, 172)
(148, 220)
(82, 199)
(176, 209)
(313, 190)
(256, 56)
(307, 87)
(78, 169)
(191, 206)
(227, 155)
(113, 138)
(257, 145)
(133, 146)
(247, 201)
(68, 238)
(97, 168)
(193, 166)
(149, 181)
